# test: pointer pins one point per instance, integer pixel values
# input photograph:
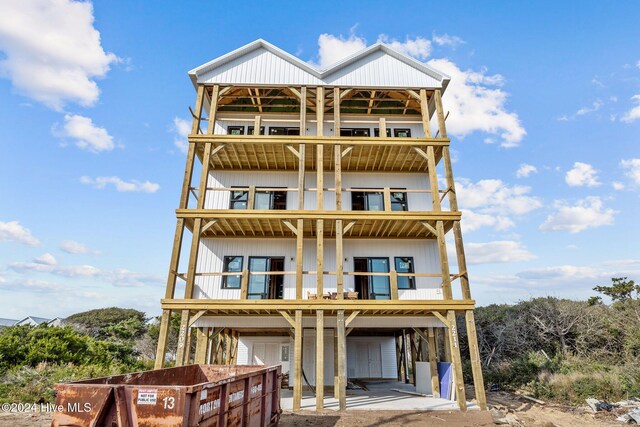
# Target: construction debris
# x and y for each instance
(532, 399)
(599, 405)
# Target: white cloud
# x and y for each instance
(12, 231)
(53, 52)
(492, 203)
(597, 104)
(332, 49)
(633, 114)
(73, 247)
(419, 47)
(617, 185)
(477, 104)
(447, 40)
(497, 251)
(582, 174)
(586, 213)
(117, 277)
(182, 129)
(472, 221)
(632, 168)
(494, 196)
(525, 170)
(85, 134)
(474, 98)
(46, 259)
(120, 185)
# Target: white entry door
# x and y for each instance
(375, 360)
(266, 354)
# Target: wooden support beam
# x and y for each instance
(444, 262)
(244, 284)
(335, 365)
(414, 356)
(441, 318)
(213, 109)
(197, 115)
(299, 258)
(430, 228)
(182, 346)
(440, 113)
(348, 331)
(291, 227)
(297, 362)
(197, 316)
(386, 193)
(474, 353)
(162, 339)
(256, 125)
(339, 261)
(413, 94)
(456, 361)
(382, 127)
(393, 276)
(337, 149)
(342, 361)
(288, 318)
(207, 226)
(251, 197)
(350, 318)
(201, 345)
(347, 150)
(433, 363)
(293, 150)
(424, 110)
(345, 93)
(319, 257)
(348, 226)
(319, 360)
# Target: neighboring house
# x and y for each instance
(35, 321)
(7, 322)
(318, 228)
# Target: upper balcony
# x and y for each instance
(287, 128)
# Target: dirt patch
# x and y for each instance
(385, 418)
(25, 420)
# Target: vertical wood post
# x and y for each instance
(474, 353)
(244, 284)
(394, 284)
(320, 194)
(414, 356)
(201, 345)
(440, 113)
(319, 360)
(297, 362)
(456, 361)
(433, 363)
(299, 258)
(424, 108)
(342, 361)
(382, 127)
(256, 125)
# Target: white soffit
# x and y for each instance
(261, 63)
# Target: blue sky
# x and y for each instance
(94, 97)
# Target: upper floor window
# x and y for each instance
(284, 131)
(263, 200)
(266, 200)
(398, 200)
(355, 132)
(367, 201)
(235, 130)
(374, 200)
(250, 130)
(232, 264)
(376, 132)
(239, 199)
(405, 265)
(402, 133)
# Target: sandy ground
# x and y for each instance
(517, 411)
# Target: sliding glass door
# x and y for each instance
(265, 286)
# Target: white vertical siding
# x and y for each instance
(212, 252)
(387, 350)
(309, 356)
(228, 179)
(246, 344)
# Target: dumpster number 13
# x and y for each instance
(169, 402)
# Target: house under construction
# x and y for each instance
(318, 218)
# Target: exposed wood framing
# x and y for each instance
(474, 353)
(297, 362)
(342, 361)
(456, 361)
(433, 363)
(319, 360)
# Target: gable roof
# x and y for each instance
(260, 62)
(7, 322)
(36, 320)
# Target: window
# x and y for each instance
(372, 287)
(399, 200)
(266, 200)
(250, 130)
(265, 286)
(376, 132)
(239, 199)
(402, 133)
(355, 132)
(367, 201)
(232, 264)
(235, 130)
(405, 265)
(284, 131)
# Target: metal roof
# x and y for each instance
(261, 63)
(7, 322)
